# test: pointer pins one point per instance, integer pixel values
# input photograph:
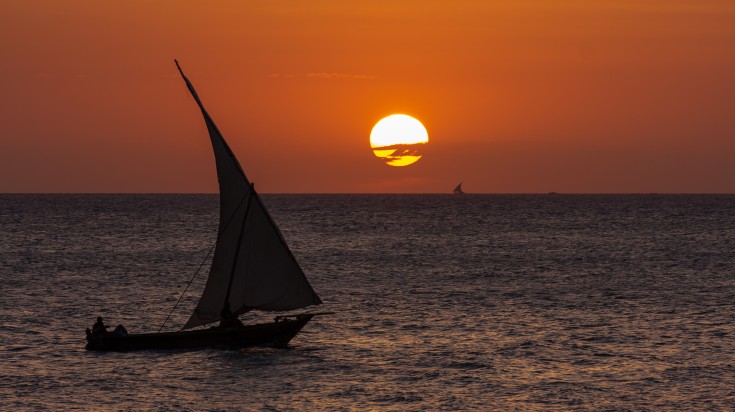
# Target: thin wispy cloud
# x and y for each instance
(322, 75)
(282, 76)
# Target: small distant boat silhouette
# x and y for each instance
(252, 269)
(458, 189)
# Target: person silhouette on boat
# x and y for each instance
(99, 327)
(227, 319)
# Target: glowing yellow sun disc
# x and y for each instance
(398, 139)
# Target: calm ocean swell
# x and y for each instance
(473, 302)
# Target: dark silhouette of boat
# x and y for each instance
(276, 334)
(458, 189)
(252, 269)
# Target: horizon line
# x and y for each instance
(385, 193)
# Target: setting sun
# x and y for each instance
(397, 139)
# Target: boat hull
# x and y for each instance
(276, 334)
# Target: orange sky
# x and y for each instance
(517, 96)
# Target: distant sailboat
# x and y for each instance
(252, 269)
(458, 189)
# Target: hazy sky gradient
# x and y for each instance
(517, 96)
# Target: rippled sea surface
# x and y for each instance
(473, 302)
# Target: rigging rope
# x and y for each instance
(251, 187)
(188, 284)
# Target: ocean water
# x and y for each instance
(473, 302)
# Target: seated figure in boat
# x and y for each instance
(227, 319)
(99, 327)
(120, 331)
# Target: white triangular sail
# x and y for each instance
(252, 262)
